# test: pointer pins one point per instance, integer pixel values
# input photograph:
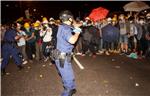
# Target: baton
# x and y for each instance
(78, 63)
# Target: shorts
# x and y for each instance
(123, 39)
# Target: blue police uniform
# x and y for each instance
(9, 48)
(63, 36)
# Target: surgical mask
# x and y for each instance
(18, 27)
(141, 21)
(27, 29)
(131, 21)
(46, 25)
(84, 24)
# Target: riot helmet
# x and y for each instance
(65, 15)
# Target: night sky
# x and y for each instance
(11, 10)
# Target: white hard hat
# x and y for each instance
(109, 19)
(148, 15)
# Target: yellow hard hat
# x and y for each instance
(36, 24)
(114, 19)
(26, 25)
(44, 18)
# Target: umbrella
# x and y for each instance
(136, 6)
(98, 13)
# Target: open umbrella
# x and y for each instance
(136, 6)
(98, 13)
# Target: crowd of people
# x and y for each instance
(55, 40)
(118, 34)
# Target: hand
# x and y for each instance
(75, 24)
(77, 30)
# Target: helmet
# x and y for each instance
(114, 19)
(148, 16)
(45, 22)
(87, 18)
(109, 19)
(26, 25)
(36, 24)
(65, 15)
(44, 18)
(51, 19)
(121, 16)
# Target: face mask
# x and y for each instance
(18, 27)
(27, 29)
(131, 21)
(84, 24)
(141, 22)
(36, 28)
(45, 25)
(122, 18)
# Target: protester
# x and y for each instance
(22, 43)
(46, 34)
(30, 41)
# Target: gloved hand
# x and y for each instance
(76, 26)
(77, 30)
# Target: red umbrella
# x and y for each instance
(98, 13)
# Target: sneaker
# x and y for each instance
(90, 54)
(33, 55)
(3, 72)
(97, 53)
(78, 53)
(83, 55)
(107, 53)
(25, 62)
(122, 53)
(20, 67)
(101, 52)
(46, 59)
(73, 91)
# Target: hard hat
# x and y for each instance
(36, 24)
(109, 19)
(148, 16)
(45, 22)
(44, 18)
(37, 21)
(121, 16)
(65, 15)
(51, 19)
(87, 18)
(114, 19)
(26, 25)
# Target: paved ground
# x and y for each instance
(113, 75)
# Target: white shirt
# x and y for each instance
(22, 40)
(47, 34)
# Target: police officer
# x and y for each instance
(9, 49)
(65, 41)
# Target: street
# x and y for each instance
(113, 75)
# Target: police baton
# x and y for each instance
(78, 63)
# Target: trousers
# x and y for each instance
(7, 51)
(67, 76)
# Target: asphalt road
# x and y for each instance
(113, 75)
